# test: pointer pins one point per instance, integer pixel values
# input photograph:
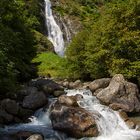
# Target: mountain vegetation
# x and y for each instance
(108, 43)
(21, 25)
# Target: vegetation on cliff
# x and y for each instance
(111, 44)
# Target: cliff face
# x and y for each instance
(69, 24)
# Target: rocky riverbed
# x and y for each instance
(66, 114)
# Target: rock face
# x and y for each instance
(34, 100)
(120, 94)
(74, 121)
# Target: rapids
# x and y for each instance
(110, 125)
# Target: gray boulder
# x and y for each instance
(46, 85)
(10, 106)
(120, 94)
(5, 118)
(99, 83)
(34, 100)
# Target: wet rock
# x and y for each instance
(57, 93)
(10, 106)
(75, 85)
(5, 118)
(35, 137)
(123, 115)
(68, 100)
(130, 124)
(34, 100)
(99, 83)
(76, 122)
(120, 94)
(24, 113)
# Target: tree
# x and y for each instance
(113, 45)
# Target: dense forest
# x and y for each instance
(108, 42)
(21, 37)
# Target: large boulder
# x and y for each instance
(34, 100)
(74, 121)
(26, 91)
(69, 100)
(10, 106)
(47, 85)
(120, 94)
(99, 83)
(5, 118)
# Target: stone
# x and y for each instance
(67, 100)
(120, 94)
(77, 84)
(74, 121)
(34, 100)
(58, 93)
(5, 118)
(123, 115)
(10, 106)
(46, 85)
(26, 91)
(99, 83)
(35, 137)
(24, 113)
(130, 124)
(66, 84)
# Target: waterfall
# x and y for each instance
(110, 124)
(55, 34)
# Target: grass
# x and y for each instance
(51, 64)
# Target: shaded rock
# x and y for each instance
(76, 122)
(120, 94)
(5, 118)
(57, 93)
(24, 113)
(26, 91)
(99, 83)
(35, 137)
(47, 85)
(34, 100)
(10, 106)
(8, 137)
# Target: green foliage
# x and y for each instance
(17, 43)
(42, 42)
(51, 64)
(113, 45)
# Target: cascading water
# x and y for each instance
(54, 32)
(110, 125)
